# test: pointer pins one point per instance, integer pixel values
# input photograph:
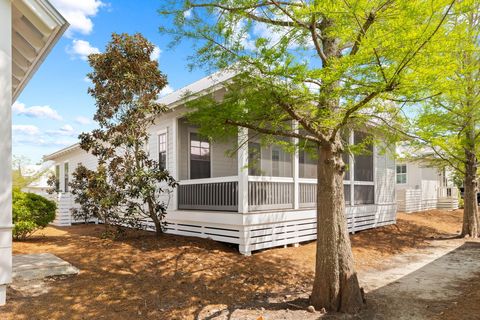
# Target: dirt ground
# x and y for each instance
(172, 277)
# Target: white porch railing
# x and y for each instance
(267, 193)
(208, 194)
(448, 192)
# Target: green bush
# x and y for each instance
(30, 213)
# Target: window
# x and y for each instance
(402, 173)
(254, 159)
(199, 156)
(57, 178)
(65, 175)
(162, 151)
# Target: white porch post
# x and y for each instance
(5, 147)
(242, 154)
(296, 165)
(174, 161)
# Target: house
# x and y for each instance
(421, 187)
(38, 175)
(269, 204)
(28, 30)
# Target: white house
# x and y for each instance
(28, 30)
(267, 205)
(40, 174)
(422, 187)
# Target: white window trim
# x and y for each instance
(160, 132)
(64, 189)
(406, 173)
(192, 130)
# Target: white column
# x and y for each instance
(242, 154)
(173, 135)
(5, 147)
(296, 165)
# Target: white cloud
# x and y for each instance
(166, 90)
(155, 55)
(44, 112)
(81, 49)
(66, 130)
(82, 120)
(87, 80)
(78, 13)
(187, 14)
(25, 129)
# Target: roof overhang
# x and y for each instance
(62, 152)
(36, 27)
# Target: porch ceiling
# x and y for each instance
(36, 27)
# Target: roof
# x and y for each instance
(171, 100)
(61, 152)
(198, 87)
(36, 27)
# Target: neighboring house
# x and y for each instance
(420, 187)
(270, 204)
(28, 30)
(40, 175)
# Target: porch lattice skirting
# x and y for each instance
(252, 231)
(255, 231)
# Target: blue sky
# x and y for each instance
(55, 107)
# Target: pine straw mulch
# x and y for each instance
(173, 277)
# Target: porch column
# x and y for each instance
(5, 147)
(174, 160)
(242, 155)
(296, 165)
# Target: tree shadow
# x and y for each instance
(428, 291)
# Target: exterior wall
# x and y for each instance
(74, 158)
(421, 191)
(5, 146)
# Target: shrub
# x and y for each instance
(30, 213)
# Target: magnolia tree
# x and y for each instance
(326, 67)
(449, 124)
(127, 186)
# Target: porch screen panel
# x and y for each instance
(254, 159)
(364, 194)
(363, 162)
(199, 156)
(277, 162)
(307, 165)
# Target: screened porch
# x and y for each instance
(235, 176)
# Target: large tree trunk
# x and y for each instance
(336, 286)
(471, 223)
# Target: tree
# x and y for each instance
(449, 124)
(30, 212)
(127, 185)
(311, 70)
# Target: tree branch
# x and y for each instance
(271, 131)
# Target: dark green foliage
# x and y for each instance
(127, 186)
(30, 213)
